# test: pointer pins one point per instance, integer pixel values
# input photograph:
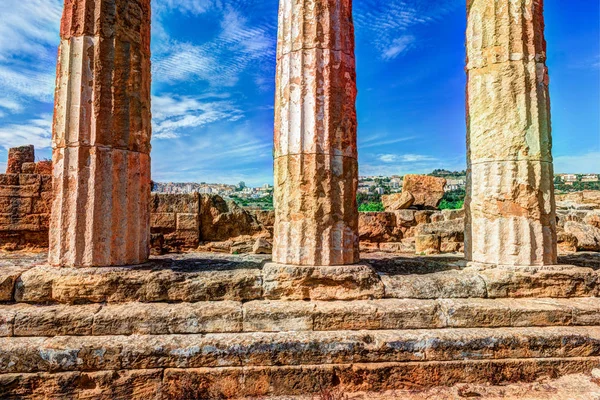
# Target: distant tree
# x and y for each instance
(371, 207)
(453, 200)
(242, 185)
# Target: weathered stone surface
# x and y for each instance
(510, 196)
(427, 191)
(278, 316)
(222, 220)
(262, 246)
(316, 168)
(446, 284)
(428, 244)
(164, 318)
(8, 280)
(397, 201)
(317, 225)
(397, 379)
(55, 320)
(348, 282)
(188, 283)
(588, 236)
(101, 135)
(378, 227)
(553, 281)
(17, 157)
(75, 353)
(100, 385)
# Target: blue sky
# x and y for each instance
(213, 85)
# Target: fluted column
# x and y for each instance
(510, 197)
(316, 168)
(101, 135)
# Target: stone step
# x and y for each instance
(237, 382)
(22, 320)
(91, 353)
(211, 279)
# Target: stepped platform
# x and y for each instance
(203, 325)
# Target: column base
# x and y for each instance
(339, 282)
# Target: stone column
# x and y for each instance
(510, 197)
(101, 135)
(316, 168)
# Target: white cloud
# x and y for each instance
(381, 140)
(37, 132)
(173, 114)
(239, 46)
(398, 46)
(28, 40)
(386, 23)
(588, 163)
(404, 158)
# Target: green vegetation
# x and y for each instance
(371, 207)
(263, 203)
(453, 200)
(444, 173)
(577, 186)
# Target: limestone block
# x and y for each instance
(8, 279)
(15, 205)
(427, 191)
(28, 168)
(397, 201)
(588, 236)
(348, 282)
(163, 221)
(162, 203)
(475, 313)
(378, 227)
(278, 316)
(164, 318)
(55, 320)
(541, 312)
(428, 244)
(446, 284)
(18, 156)
(553, 281)
(122, 284)
(188, 222)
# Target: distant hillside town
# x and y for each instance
(370, 189)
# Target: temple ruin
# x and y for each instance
(101, 319)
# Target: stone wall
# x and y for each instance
(25, 201)
(182, 222)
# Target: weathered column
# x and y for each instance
(101, 135)
(510, 197)
(316, 168)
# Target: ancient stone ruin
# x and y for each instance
(100, 319)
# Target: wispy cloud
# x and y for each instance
(382, 140)
(173, 115)
(35, 131)
(28, 40)
(386, 23)
(404, 158)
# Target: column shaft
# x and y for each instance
(511, 217)
(316, 167)
(101, 135)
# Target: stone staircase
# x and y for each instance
(210, 327)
